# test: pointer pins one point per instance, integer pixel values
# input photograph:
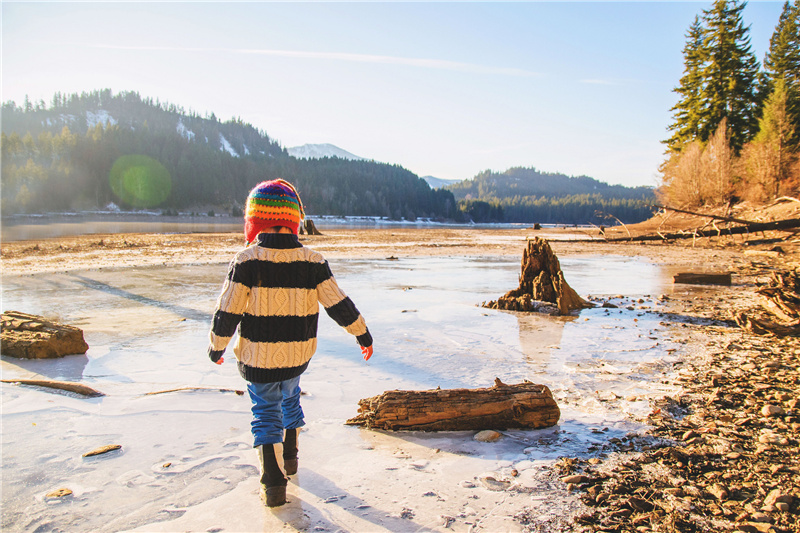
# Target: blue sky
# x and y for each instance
(443, 89)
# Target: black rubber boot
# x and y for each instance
(290, 446)
(273, 480)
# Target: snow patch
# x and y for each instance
(318, 151)
(227, 146)
(246, 150)
(101, 117)
(437, 183)
(184, 131)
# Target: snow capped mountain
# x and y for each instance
(438, 183)
(318, 151)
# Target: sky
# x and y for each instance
(445, 89)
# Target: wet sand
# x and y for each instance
(637, 483)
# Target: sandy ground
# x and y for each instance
(84, 252)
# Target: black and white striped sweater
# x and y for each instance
(272, 294)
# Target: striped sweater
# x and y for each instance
(271, 294)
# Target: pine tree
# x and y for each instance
(730, 74)
(782, 61)
(687, 112)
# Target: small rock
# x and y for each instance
(782, 506)
(495, 485)
(576, 480)
(467, 484)
(777, 496)
(772, 410)
(640, 505)
(718, 491)
(760, 517)
(673, 491)
(689, 435)
(487, 435)
(60, 493)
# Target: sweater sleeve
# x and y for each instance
(228, 313)
(341, 308)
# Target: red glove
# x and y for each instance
(366, 351)
(220, 360)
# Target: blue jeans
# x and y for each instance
(276, 406)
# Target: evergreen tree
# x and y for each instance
(730, 74)
(782, 61)
(688, 112)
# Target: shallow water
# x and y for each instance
(147, 331)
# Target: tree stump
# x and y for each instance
(524, 405)
(541, 280)
(311, 229)
(34, 337)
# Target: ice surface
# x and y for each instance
(186, 461)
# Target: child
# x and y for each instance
(271, 294)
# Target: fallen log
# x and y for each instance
(34, 337)
(691, 278)
(540, 280)
(715, 217)
(779, 225)
(70, 386)
(524, 405)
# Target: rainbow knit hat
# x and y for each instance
(272, 203)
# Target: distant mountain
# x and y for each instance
(83, 151)
(520, 181)
(318, 151)
(438, 183)
(529, 195)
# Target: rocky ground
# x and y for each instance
(725, 454)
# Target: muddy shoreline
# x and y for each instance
(717, 458)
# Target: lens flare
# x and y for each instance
(140, 181)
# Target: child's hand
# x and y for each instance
(220, 360)
(366, 352)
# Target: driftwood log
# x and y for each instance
(780, 313)
(34, 337)
(541, 280)
(69, 386)
(524, 405)
(692, 278)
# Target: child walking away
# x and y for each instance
(272, 294)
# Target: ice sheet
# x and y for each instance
(186, 461)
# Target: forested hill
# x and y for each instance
(84, 151)
(526, 195)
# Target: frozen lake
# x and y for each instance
(186, 461)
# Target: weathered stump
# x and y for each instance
(311, 229)
(34, 337)
(541, 280)
(524, 405)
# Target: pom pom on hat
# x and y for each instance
(272, 203)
